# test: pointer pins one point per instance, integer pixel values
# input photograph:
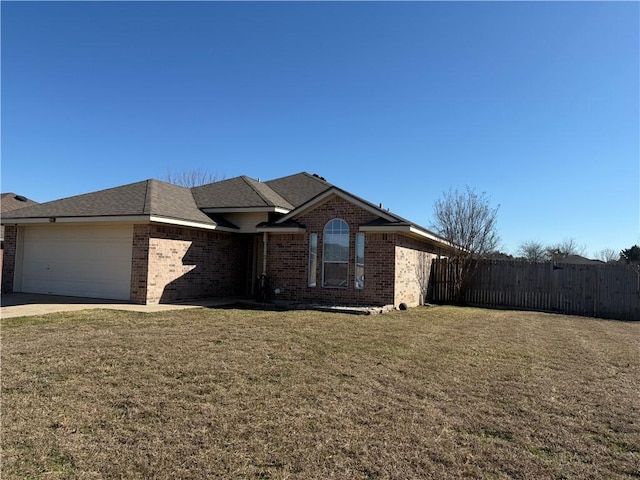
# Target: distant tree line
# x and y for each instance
(631, 255)
(535, 251)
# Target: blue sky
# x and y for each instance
(536, 104)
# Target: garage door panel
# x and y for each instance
(79, 261)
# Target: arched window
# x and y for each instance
(335, 254)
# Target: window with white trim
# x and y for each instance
(359, 269)
(335, 254)
(313, 259)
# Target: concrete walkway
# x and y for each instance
(28, 304)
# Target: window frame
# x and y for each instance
(325, 262)
(312, 272)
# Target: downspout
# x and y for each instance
(265, 237)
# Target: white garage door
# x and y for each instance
(87, 261)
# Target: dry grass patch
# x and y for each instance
(428, 393)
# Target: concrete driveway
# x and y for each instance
(28, 304)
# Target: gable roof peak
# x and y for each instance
(313, 176)
(239, 192)
(299, 187)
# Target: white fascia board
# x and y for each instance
(410, 229)
(281, 229)
(335, 191)
(245, 210)
(115, 219)
(187, 223)
(424, 234)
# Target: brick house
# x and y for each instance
(153, 242)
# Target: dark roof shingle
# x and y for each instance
(299, 188)
(10, 201)
(156, 198)
(124, 200)
(238, 192)
(149, 197)
(173, 201)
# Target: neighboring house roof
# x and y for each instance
(238, 193)
(578, 259)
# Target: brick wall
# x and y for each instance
(9, 257)
(186, 264)
(412, 267)
(139, 263)
(396, 266)
(288, 258)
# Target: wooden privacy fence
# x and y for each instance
(605, 291)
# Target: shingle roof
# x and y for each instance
(578, 259)
(299, 188)
(155, 198)
(10, 201)
(168, 200)
(124, 200)
(149, 197)
(238, 192)
(386, 218)
(152, 197)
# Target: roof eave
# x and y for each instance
(411, 230)
(274, 229)
(188, 223)
(246, 210)
(75, 219)
(116, 219)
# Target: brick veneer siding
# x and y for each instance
(288, 259)
(183, 264)
(9, 257)
(412, 267)
(140, 263)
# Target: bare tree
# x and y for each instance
(192, 177)
(533, 251)
(466, 220)
(608, 255)
(569, 246)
